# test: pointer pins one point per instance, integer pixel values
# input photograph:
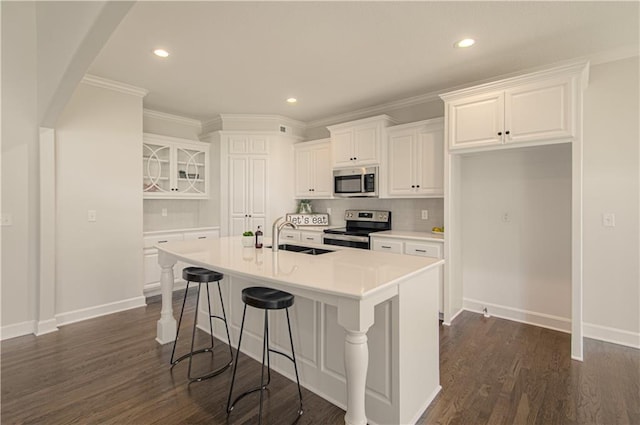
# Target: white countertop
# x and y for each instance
(189, 229)
(422, 236)
(346, 272)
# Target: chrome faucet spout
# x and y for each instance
(275, 233)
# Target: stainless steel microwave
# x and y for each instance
(356, 182)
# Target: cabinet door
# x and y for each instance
(259, 144)
(192, 166)
(156, 169)
(311, 237)
(257, 190)
(366, 144)
(342, 144)
(539, 111)
(287, 235)
(322, 175)
(429, 160)
(303, 173)
(476, 121)
(238, 184)
(401, 163)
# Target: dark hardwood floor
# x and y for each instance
(110, 370)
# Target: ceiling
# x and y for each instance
(337, 57)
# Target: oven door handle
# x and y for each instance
(349, 238)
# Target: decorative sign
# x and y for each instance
(309, 219)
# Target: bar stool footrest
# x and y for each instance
(208, 375)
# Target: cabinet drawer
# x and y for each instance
(289, 235)
(387, 246)
(151, 241)
(313, 237)
(423, 249)
(205, 234)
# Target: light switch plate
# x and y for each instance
(425, 214)
(609, 220)
(7, 220)
(164, 212)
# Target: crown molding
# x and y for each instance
(149, 113)
(94, 80)
(374, 110)
(264, 118)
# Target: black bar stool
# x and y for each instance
(265, 299)
(201, 276)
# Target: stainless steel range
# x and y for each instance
(360, 223)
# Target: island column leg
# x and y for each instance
(356, 317)
(166, 326)
(356, 355)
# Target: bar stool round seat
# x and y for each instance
(265, 299)
(202, 276)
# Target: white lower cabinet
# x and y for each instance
(152, 269)
(413, 246)
(302, 235)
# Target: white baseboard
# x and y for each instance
(426, 404)
(543, 320)
(18, 329)
(613, 335)
(453, 317)
(100, 310)
(46, 326)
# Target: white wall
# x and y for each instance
(69, 36)
(524, 263)
(99, 167)
(19, 167)
(612, 184)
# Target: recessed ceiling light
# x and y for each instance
(467, 42)
(292, 100)
(161, 52)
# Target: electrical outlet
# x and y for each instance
(506, 217)
(7, 219)
(164, 212)
(425, 214)
(91, 215)
(609, 220)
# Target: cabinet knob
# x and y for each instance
(355, 158)
(417, 185)
(506, 132)
(413, 185)
(499, 133)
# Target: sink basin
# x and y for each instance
(302, 249)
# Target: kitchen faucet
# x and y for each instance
(276, 232)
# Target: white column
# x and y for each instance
(166, 327)
(356, 355)
(356, 317)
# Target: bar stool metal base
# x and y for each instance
(192, 352)
(266, 350)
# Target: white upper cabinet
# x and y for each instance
(358, 143)
(250, 144)
(416, 159)
(174, 168)
(532, 109)
(313, 176)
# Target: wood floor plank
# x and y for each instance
(110, 370)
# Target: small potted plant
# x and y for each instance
(247, 239)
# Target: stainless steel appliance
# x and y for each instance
(360, 223)
(356, 182)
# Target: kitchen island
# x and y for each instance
(365, 323)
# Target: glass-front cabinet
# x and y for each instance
(174, 168)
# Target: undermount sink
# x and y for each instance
(302, 249)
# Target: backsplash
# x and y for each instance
(405, 213)
(181, 214)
